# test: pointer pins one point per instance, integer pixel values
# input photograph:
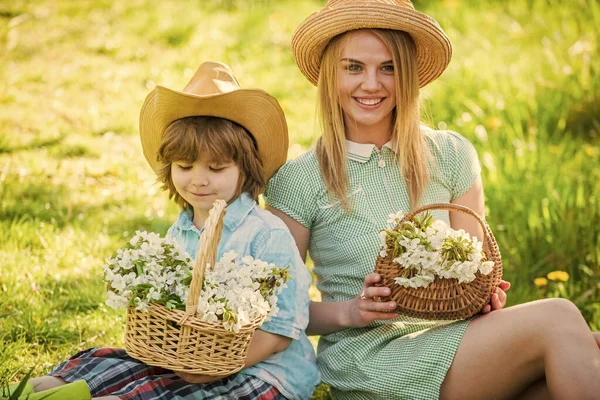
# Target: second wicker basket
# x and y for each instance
(443, 299)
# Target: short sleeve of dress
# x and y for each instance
(457, 159)
(291, 191)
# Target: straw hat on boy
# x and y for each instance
(214, 91)
(338, 16)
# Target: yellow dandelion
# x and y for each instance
(590, 150)
(450, 3)
(494, 122)
(554, 149)
(539, 282)
(561, 276)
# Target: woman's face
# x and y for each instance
(366, 83)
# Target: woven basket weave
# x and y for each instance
(179, 340)
(443, 299)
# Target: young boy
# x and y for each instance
(214, 140)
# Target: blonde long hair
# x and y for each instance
(412, 154)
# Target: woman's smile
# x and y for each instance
(368, 101)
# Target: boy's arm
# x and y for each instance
(263, 346)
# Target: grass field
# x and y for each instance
(523, 86)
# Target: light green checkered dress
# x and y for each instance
(404, 359)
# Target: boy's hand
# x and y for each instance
(498, 300)
(198, 378)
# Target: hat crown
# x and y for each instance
(212, 78)
(398, 3)
(311, 37)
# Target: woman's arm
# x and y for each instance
(474, 199)
(328, 317)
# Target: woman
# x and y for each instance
(368, 60)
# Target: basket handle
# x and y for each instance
(487, 232)
(207, 252)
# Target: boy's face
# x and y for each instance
(202, 182)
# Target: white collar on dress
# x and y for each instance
(361, 152)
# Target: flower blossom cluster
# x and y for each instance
(150, 269)
(155, 270)
(428, 248)
(239, 291)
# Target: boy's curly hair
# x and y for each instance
(220, 139)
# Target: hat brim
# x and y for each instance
(434, 49)
(254, 109)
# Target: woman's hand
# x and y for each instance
(363, 309)
(197, 378)
(498, 300)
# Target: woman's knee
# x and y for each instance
(559, 308)
(561, 315)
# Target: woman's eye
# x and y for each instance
(217, 168)
(184, 167)
(353, 68)
(388, 68)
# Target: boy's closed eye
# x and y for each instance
(219, 167)
(184, 167)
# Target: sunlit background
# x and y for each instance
(523, 86)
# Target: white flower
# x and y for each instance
(152, 269)
(232, 291)
(486, 267)
(115, 301)
(142, 306)
(415, 282)
(149, 269)
(248, 260)
(383, 238)
(394, 219)
(229, 257)
(432, 249)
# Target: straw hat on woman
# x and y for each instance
(369, 58)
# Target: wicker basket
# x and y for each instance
(443, 299)
(179, 340)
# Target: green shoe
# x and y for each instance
(77, 390)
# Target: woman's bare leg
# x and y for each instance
(504, 353)
(537, 391)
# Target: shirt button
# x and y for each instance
(381, 164)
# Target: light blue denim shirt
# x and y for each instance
(250, 230)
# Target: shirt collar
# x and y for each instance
(238, 211)
(235, 214)
(362, 152)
